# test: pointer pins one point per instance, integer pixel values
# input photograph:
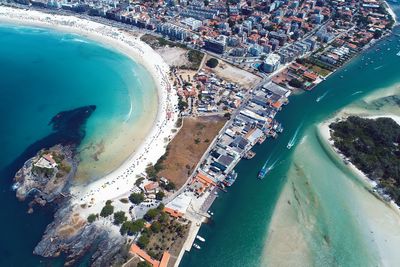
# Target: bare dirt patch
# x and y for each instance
(174, 56)
(188, 146)
(232, 74)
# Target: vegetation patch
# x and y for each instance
(107, 210)
(372, 145)
(212, 63)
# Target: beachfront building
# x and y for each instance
(271, 63)
(178, 206)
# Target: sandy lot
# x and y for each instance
(232, 74)
(188, 146)
(174, 56)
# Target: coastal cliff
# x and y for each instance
(71, 235)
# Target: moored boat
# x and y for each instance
(196, 246)
(230, 178)
(202, 239)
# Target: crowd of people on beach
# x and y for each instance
(121, 180)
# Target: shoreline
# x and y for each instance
(324, 132)
(391, 12)
(119, 181)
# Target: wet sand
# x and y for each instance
(324, 200)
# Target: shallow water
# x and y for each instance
(239, 230)
(42, 73)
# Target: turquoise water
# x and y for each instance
(238, 232)
(43, 72)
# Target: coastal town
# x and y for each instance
(234, 62)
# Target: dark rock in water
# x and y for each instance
(72, 235)
(68, 124)
(68, 129)
(69, 233)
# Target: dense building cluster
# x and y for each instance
(243, 31)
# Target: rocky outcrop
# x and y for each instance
(46, 184)
(72, 235)
(46, 176)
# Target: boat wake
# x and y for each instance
(272, 166)
(321, 97)
(356, 93)
(293, 140)
(267, 168)
(377, 68)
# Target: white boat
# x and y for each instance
(202, 239)
(196, 246)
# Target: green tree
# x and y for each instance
(119, 217)
(139, 181)
(182, 105)
(163, 217)
(132, 228)
(136, 198)
(170, 186)
(107, 210)
(212, 63)
(91, 218)
(151, 171)
(143, 241)
(155, 227)
(160, 195)
(151, 214)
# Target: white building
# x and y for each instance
(271, 63)
(46, 161)
(194, 24)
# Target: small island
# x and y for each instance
(45, 176)
(372, 145)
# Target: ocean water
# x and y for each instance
(43, 72)
(239, 230)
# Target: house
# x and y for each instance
(146, 257)
(46, 161)
(151, 188)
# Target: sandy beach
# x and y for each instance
(383, 217)
(119, 182)
(318, 193)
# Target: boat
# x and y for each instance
(321, 97)
(289, 145)
(196, 246)
(202, 239)
(249, 154)
(264, 170)
(230, 178)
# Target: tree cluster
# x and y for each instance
(373, 147)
